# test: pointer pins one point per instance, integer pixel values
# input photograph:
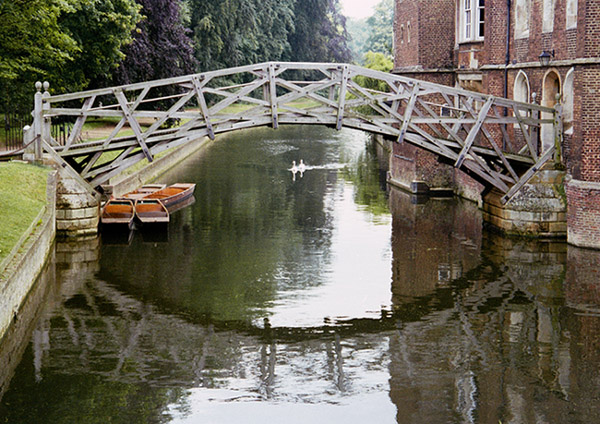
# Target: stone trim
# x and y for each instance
(582, 185)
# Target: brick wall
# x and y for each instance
(431, 34)
(436, 33)
(583, 213)
(406, 38)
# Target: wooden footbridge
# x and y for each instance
(493, 139)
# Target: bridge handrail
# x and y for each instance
(472, 129)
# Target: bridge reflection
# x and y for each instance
(482, 329)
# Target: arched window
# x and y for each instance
(551, 89)
(567, 99)
(402, 34)
(521, 91)
(521, 88)
(408, 32)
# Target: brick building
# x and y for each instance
(497, 47)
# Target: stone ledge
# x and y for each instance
(65, 214)
(77, 224)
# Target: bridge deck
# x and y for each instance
(495, 140)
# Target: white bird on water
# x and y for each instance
(301, 167)
(294, 168)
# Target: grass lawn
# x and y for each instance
(22, 197)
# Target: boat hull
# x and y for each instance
(173, 194)
(151, 212)
(117, 214)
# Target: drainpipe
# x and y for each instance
(506, 60)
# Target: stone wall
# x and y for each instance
(77, 211)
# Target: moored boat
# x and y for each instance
(143, 191)
(151, 211)
(118, 213)
(173, 194)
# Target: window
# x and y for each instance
(408, 32)
(551, 89)
(548, 16)
(522, 18)
(568, 102)
(571, 14)
(472, 20)
(521, 91)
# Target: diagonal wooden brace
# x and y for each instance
(474, 131)
(135, 126)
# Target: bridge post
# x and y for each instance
(535, 131)
(558, 130)
(38, 117)
(46, 123)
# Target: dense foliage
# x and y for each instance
(161, 47)
(373, 34)
(84, 44)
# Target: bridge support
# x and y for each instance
(77, 210)
(537, 210)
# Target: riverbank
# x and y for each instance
(28, 217)
(29, 226)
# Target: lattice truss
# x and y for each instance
(495, 140)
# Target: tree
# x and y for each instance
(102, 29)
(381, 28)
(32, 44)
(161, 47)
(229, 33)
(320, 32)
(377, 62)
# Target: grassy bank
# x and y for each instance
(22, 197)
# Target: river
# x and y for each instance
(319, 297)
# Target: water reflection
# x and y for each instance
(285, 300)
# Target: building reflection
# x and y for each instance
(490, 328)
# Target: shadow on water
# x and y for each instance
(479, 328)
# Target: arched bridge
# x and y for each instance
(493, 139)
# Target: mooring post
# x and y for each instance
(38, 116)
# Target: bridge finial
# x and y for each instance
(46, 86)
(38, 86)
(533, 97)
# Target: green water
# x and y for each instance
(308, 298)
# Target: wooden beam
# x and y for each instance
(133, 123)
(342, 97)
(78, 126)
(528, 175)
(408, 112)
(273, 96)
(473, 133)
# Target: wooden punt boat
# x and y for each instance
(143, 191)
(151, 211)
(173, 194)
(118, 213)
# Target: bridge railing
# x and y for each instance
(494, 139)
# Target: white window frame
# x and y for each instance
(522, 14)
(470, 23)
(571, 14)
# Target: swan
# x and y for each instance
(294, 168)
(301, 167)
